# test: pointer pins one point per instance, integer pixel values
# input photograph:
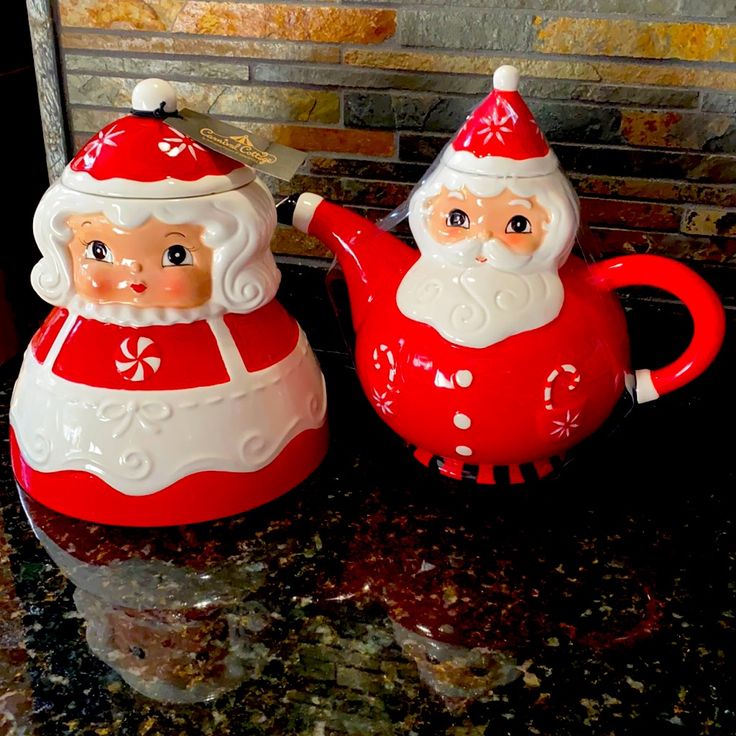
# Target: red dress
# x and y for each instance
(167, 423)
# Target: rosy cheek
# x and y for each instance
(186, 286)
(521, 243)
(177, 281)
(98, 280)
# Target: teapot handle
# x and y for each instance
(709, 321)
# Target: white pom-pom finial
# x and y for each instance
(506, 78)
(150, 93)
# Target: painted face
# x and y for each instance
(154, 265)
(517, 222)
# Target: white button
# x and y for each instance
(461, 421)
(463, 450)
(463, 378)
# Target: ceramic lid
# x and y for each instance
(143, 156)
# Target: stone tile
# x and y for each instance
(464, 63)
(631, 162)
(270, 103)
(142, 15)
(627, 73)
(620, 213)
(278, 103)
(429, 113)
(200, 46)
(492, 30)
(88, 120)
(343, 76)
(719, 102)
(564, 89)
(84, 89)
(710, 221)
(659, 190)
(677, 8)
(674, 245)
(292, 22)
(632, 38)
(579, 123)
(418, 147)
(365, 169)
(167, 68)
(675, 129)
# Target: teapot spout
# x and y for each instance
(371, 259)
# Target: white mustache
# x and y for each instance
(474, 251)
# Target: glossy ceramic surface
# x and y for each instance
(168, 385)
(490, 349)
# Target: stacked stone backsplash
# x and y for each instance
(637, 98)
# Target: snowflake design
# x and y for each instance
(177, 144)
(501, 120)
(94, 147)
(564, 427)
(383, 403)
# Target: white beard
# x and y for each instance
(476, 304)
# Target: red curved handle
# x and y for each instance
(709, 320)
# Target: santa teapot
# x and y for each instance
(491, 350)
(167, 386)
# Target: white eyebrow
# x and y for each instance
(456, 195)
(523, 202)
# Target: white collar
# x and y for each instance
(128, 315)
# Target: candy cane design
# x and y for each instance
(564, 426)
(141, 359)
(381, 399)
(573, 378)
(384, 350)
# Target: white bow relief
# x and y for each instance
(142, 441)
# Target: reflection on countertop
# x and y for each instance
(378, 598)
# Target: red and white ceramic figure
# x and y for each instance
(491, 350)
(167, 386)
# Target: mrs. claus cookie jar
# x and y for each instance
(167, 386)
(491, 349)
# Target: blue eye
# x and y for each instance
(177, 255)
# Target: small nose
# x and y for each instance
(135, 266)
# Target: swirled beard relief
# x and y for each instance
(478, 306)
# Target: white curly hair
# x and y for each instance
(238, 226)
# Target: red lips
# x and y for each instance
(138, 288)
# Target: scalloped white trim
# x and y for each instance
(168, 188)
(141, 441)
(126, 314)
(500, 166)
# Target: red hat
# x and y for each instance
(500, 137)
(142, 156)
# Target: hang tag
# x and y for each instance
(248, 148)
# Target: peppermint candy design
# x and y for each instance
(140, 359)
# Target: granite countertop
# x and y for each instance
(378, 598)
